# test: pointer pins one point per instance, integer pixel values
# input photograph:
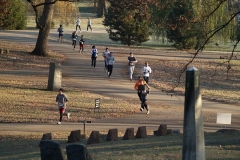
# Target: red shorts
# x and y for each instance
(81, 45)
(62, 110)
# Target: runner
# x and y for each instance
(74, 39)
(94, 53)
(144, 90)
(78, 24)
(89, 24)
(146, 70)
(81, 44)
(131, 63)
(139, 82)
(105, 55)
(60, 34)
(110, 62)
(62, 100)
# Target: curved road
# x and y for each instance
(170, 111)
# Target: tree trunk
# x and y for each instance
(104, 7)
(95, 6)
(101, 10)
(45, 22)
(129, 40)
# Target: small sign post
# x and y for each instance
(84, 126)
(224, 118)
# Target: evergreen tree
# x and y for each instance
(159, 16)
(128, 21)
(181, 27)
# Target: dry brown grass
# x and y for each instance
(215, 83)
(25, 98)
(19, 57)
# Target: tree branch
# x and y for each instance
(209, 15)
(34, 6)
(36, 12)
(202, 47)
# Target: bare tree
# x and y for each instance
(209, 36)
(44, 28)
(44, 24)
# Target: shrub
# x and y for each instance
(15, 17)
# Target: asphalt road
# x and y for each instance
(165, 109)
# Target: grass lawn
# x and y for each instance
(14, 88)
(20, 95)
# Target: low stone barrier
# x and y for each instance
(75, 136)
(77, 151)
(112, 135)
(94, 138)
(129, 134)
(46, 136)
(51, 150)
(141, 132)
(162, 130)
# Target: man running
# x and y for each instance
(146, 70)
(62, 100)
(143, 90)
(110, 62)
(131, 63)
(105, 55)
(78, 24)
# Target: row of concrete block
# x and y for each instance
(75, 136)
(51, 150)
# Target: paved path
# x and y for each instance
(78, 72)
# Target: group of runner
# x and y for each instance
(142, 87)
(74, 34)
(78, 24)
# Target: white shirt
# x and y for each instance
(105, 54)
(78, 21)
(92, 51)
(146, 70)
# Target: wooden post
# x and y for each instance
(1, 51)
(84, 126)
(193, 135)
